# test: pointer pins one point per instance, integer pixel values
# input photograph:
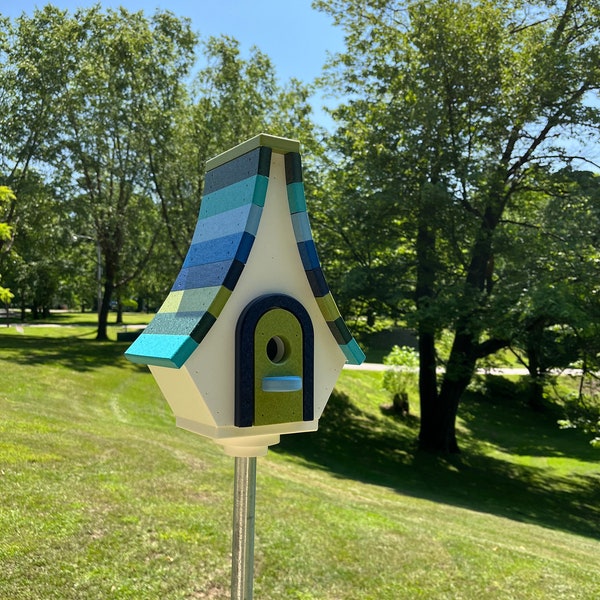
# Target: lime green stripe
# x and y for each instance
(219, 302)
(328, 307)
(211, 299)
(171, 303)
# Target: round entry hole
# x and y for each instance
(276, 349)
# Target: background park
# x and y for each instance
(456, 208)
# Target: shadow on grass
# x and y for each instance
(382, 451)
(79, 353)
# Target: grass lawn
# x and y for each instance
(102, 497)
(89, 320)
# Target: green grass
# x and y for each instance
(101, 496)
(87, 319)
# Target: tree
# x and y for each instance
(552, 241)
(6, 195)
(452, 108)
(39, 260)
(119, 80)
(231, 99)
(36, 62)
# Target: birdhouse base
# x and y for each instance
(237, 442)
(249, 447)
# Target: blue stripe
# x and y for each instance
(284, 383)
(216, 250)
(223, 224)
(254, 219)
(308, 253)
(301, 226)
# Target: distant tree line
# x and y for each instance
(458, 192)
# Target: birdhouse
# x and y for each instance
(249, 342)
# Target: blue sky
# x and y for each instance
(296, 37)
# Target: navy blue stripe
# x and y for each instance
(317, 282)
(233, 274)
(244, 247)
(203, 326)
(293, 168)
(255, 162)
(340, 331)
(202, 276)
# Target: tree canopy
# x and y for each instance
(106, 105)
(455, 113)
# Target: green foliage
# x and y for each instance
(403, 375)
(129, 304)
(6, 196)
(5, 295)
(582, 409)
(6, 233)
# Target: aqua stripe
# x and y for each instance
(161, 350)
(248, 191)
(354, 355)
(296, 199)
(179, 323)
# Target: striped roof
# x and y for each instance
(234, 196)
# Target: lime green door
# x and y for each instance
(277, 368)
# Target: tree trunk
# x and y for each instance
(424, 291)
(536, 377)
(428, 395)
(102, 334)
(459, 371)
(465, 347)
(119, 319)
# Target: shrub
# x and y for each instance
(582, 411)
(401, 377)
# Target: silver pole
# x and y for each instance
(244, 502)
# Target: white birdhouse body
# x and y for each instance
(249, 343)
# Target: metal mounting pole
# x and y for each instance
(244, 502)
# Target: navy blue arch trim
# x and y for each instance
(244, 355)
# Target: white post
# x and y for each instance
(244, 502)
